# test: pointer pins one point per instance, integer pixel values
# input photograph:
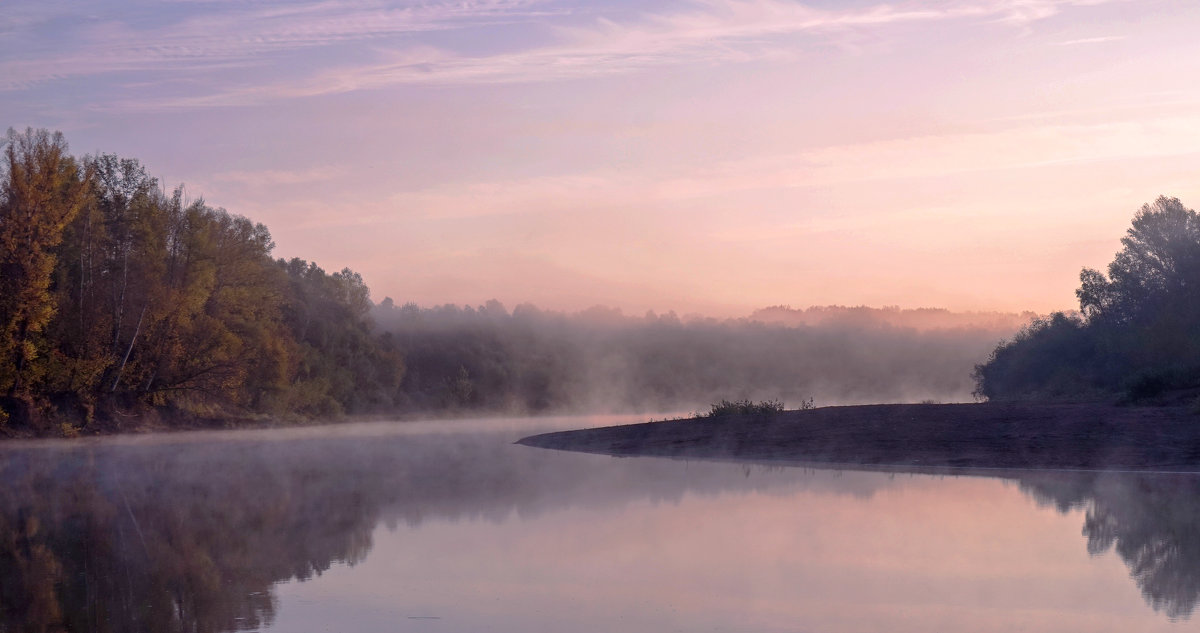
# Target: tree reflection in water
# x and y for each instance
(103, 541)
(193, 536)
(1152, 521)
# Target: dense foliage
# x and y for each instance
(1138, 331)
(115, 295)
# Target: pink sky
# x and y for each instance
(708, 156)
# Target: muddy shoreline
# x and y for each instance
(928, 436)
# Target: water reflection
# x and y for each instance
(195, 536)
(1152, 521)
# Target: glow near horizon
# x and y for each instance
(708, 156)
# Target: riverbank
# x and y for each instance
(69, 417)
(988, 435)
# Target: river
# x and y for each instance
(449, 526)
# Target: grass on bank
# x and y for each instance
(748, 407)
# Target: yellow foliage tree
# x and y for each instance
(41, 190)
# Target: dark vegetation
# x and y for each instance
(750, 408)
(125, 306)
(745, 407)
(1137, 335)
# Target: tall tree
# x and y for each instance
(41, 190)
(107, 252)
(1141, 334)
(1158, 266)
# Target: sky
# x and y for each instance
(702, 156)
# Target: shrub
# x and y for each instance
(746, 407)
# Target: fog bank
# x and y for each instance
(600, 360)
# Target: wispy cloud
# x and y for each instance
(715, 31)
(1092, 40)
(577, 44)
(240, 31)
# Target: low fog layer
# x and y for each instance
(600, 360)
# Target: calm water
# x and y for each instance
(450, 527)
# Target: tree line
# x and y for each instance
(488, 358)
(1136, 336)
(116, 296)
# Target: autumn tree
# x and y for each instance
(211, 327)
(117, 296)
(42, 188)
(107, 264)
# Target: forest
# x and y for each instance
(117, 298)
(1136, 337)
(125, 304)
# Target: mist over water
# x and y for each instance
(601, 360)
(696, 155)
(364, 527)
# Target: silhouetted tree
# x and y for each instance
(1140, 331)
(1157, 270)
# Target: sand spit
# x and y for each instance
(988, 435)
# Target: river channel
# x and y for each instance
(449, 526)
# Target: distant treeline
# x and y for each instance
(894, 316)
(120, 301)
(600, 360)
(1137, 335)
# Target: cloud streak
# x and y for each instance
(572, 43)
(242, 32)
(1092, 40)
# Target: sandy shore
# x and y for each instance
(991, 435)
